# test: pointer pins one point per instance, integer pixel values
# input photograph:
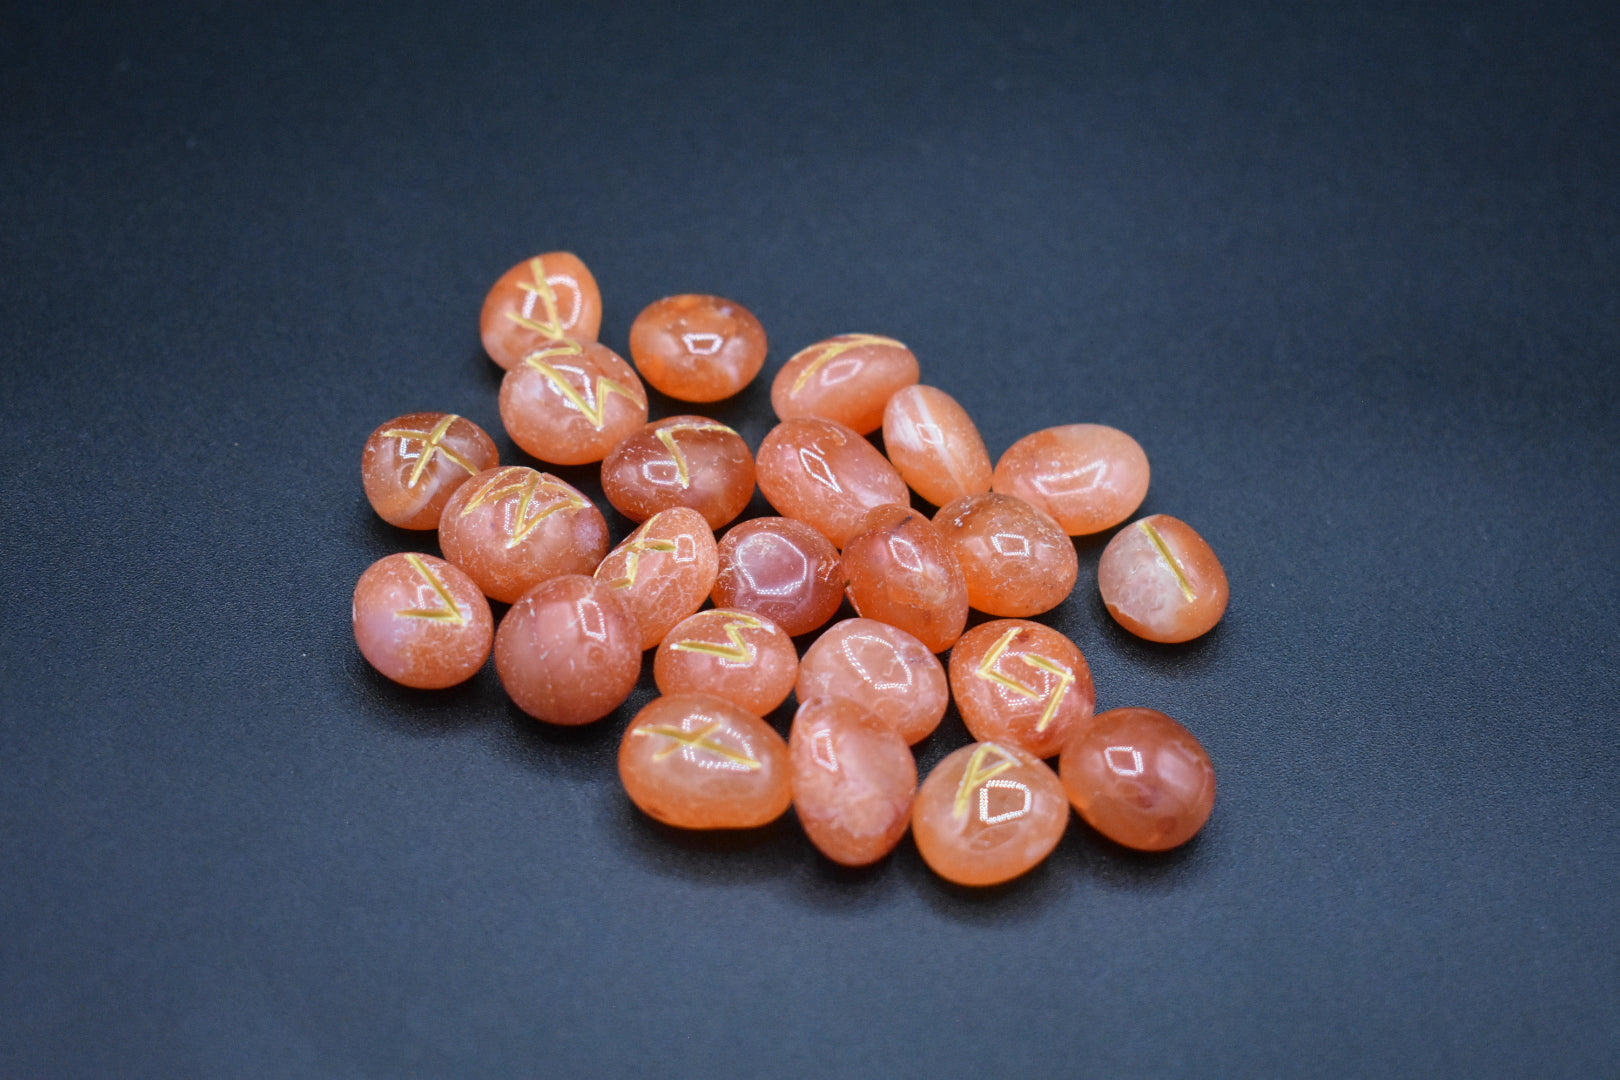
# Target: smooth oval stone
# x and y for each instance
(883, 669)
(421, 622)
(697, 348)
(781, 569)
(988, 813)
(1088, 477)
(1139, 778)
(663, 571)
(680, 461)
(1015, 559)
(547, 297)
(570, 404)
(1021, 684)
(847, 379)
(512, 528)
(900, 572)
(935, 445)
(853, 780)
(744, 658)
(413, 464)
(697, 761)
(1161, 581)
(569, 651)
(825, 475)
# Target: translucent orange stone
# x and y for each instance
(1021, 684)
(663, 571)
(421, 622)
(781, 569)
(569, 651)
(570, 404)
(1139, 778)
(413, 464)
(900, 572)
(697, 348)
(744, 658)
(1015, 559)
(886, 671)
(512, 528)
(935, 445)
(848, 379)
(1161, 581)
(697, 761)
(1088, 477)
(988, 813)
(680, 461)
(547, 297)
(853, 780)
(825, 475)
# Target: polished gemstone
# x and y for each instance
(825, 475)
(512, 528)
(700, 762)
(680, 461)
(883, 669)
(1139, 778)
(570, 404)
(1015, 559)
(663, 571)
(413, 464)
(744, 658)
(569, 651)
(781, 569)
(1021, 684)
(901, 572)
(853, 780)
(1088, 477)
(421, 622)
(988, 813)
(545, 298)
(935, 445)
(847, 379)
(697, 348)
(1160, 580)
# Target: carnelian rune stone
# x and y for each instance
(680, 461)
(1161, 581)
(1139, 778)
(413, 464)
(853, 780)
(988, 813)
(696, 347)
(885, 670)
(825, 475)
(570, 403)
(1015, 559)
(421, 622)
(901, 572)
(1021, 684)
(848, 379)
(512, 528)
(934, 445)
(698, 761)
(744, 658)
(569, 651)
(663, 571)
(1088, 477)
(781, 569)
(542, 299)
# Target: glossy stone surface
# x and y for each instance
(1139, 778)
(663, 571)
(988, 813)
(569, 651)
(744, 658)
(421, 622)
(1015, 559)
(544, 298)
(781, 569)
(900, 572)
(699, 762)
(934, 445)
(1021, 684)
(512, 528)
(825, 475)
(696, 347)
(680, 461)
(413, 464)
(1088, 477)
(570, 404)
(1160, 580)
(881, 668)
(847, 379)
(853, 780)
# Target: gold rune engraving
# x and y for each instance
(666, 435)
(432, 443)
(738, 652)
(540, 292)
(526, 486)
(450, 612)
(698, 740)
(632, 558)
(835, 349)
(1164, 553)
(987, 670)
(975, 775)
(594, 409)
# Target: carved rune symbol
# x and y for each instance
(450, 612)
(835, 349)
(632, 557)
(1170, 560)
(527, 485)
(593, 402)
(1065, 677)
(548, 320)
(666, 435)
(977, 777)
(432, 443)
(699, 740)
(738, 652)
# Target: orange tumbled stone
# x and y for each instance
(1139, 778)
(569, 651)
(901, 572)
(413, 464)
(680, 461)
(697, 348)
(848, 379)
(744, 658)
(934, 445)
(1088, 477)
(663, 571)
(853, 780)
(825, 475)
(988, 813)
(512, 528)
(1021, 684)
(1015, 559)
(883, 669)
(421, 622)
(1160, 580)
(697, 761)
(570, 403)
(781, 569)
(544, 298)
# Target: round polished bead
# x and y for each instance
(663, 571)
(1021, 684)
(413, 464)
(825, 475)
(1088, 477)
(853, 780)
(421, 622)
(881, 668)
(988, 813)
(1015, 559)
(680, 461)
(935, 445)
(569, 651)
(781, 569)
(570, 403)
(900, 572)
(547, 297)
(1161, 581)
(697, 348)
(847, 379)
(512, 528)
(1139, 778)
(746, 659)
(697, 761)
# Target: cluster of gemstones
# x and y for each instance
(570, 648)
